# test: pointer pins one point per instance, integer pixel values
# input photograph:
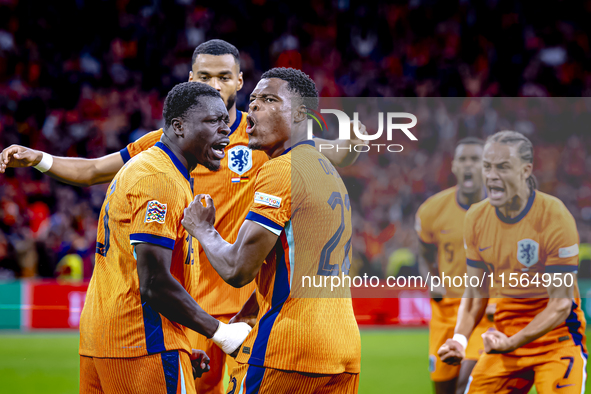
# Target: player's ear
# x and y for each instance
(300, 114)
(240, 81)
(527, 170)
(454, 168)
(177, 127)
(190, 76)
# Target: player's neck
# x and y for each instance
(471, 198)
(280, 148)
(178, 153)
(517, 204)
(232, 113)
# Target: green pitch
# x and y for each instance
(48, 363)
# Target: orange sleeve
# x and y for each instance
(473, 257)
(271, 207)
(142, 144)
(423, 224)
(156, 210)
(563, 242)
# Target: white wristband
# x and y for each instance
(461, 339)
(45, 163)
(229, 337)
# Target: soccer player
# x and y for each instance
(440, 226)
(524, 234)
(299, 225)
(132, 338)
(216, 63)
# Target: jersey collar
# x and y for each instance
(517, 218)
(306, 142)
(175, 160)
(236, 122)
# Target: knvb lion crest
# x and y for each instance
(527, 252)
(239, 159)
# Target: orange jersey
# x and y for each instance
(440, 222)
(300, 197)
(231, 188)
(543, 238)
(144, 203)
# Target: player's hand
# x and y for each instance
(238, 318)
(200, 363)
(198, 217)
(496, 342)
(490, 312)
(355, 140)
(19, 156)
(452, 352)
(229, 337)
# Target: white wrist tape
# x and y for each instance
(229, 337)
(45, 163)
(461, 339)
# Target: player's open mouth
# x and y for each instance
(250, 123)
(218, 150)
(468, 182)
(496, 192)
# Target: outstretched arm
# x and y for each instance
(237, 263)
(72, 170)
(341, 153)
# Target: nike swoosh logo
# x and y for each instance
(566, 385)
(445, 231)
(483, 249)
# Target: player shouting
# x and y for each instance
(216, 63)
(518, 230)
(299, 224)
(132, 335)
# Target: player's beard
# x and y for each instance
(212, 166)
(231, 101)
(255, 146)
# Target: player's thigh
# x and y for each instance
(438, 334)
(562, 370)
(465, 372)
(499, 374)
(167, 373)
(212, 381)
(254, 379)
(89, 378)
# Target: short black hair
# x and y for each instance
(297, 82)
(470, 141)
(183, 97)
(216, 48)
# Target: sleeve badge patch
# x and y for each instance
(156, 212)
(267, 199)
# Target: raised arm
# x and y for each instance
(72, 170)
(237, 263)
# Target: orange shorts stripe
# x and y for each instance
(167, 373)
(252, 379)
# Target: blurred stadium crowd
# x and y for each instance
(84, 78)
